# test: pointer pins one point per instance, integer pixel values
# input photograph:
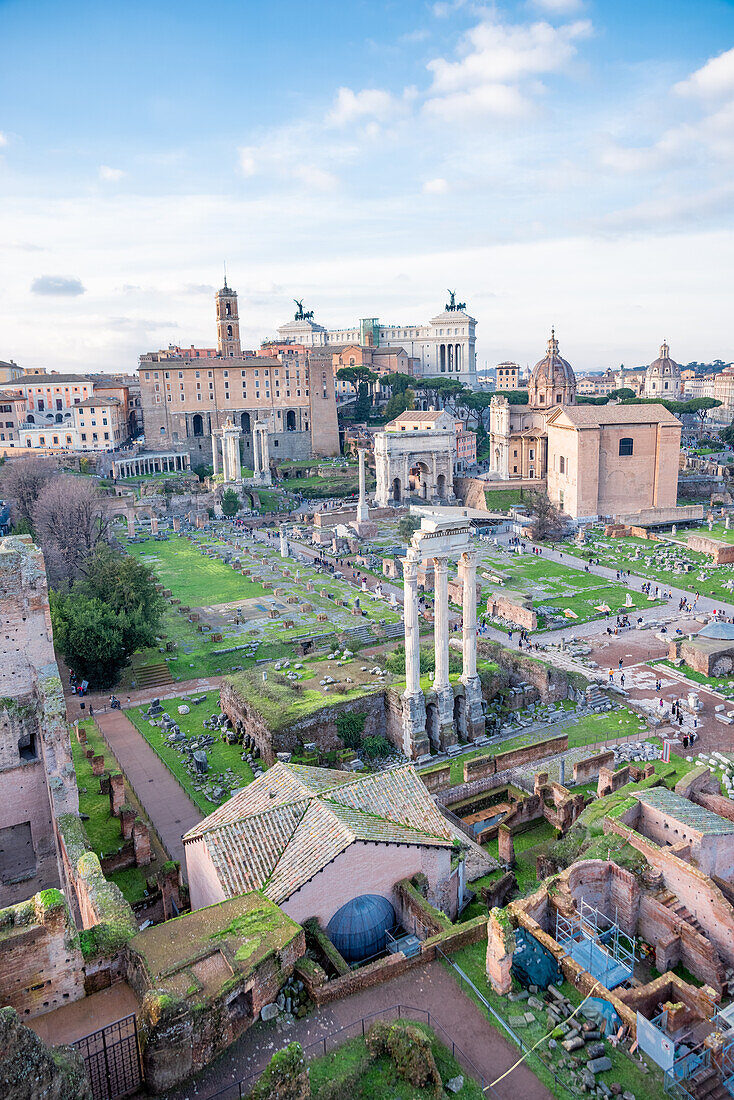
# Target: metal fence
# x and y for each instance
(356, 1029)
(112, 1059)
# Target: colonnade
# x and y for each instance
(441, 731)
(150, 464)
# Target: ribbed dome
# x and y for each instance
(662, 377)
(664, 365)
(552, 381)
(358, 929)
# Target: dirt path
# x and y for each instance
(167, 805)
(431, 987)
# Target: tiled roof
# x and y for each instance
(286, 826)
(413, 415)
(688, 813)
(594, 416)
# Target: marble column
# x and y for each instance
(267, 479)
(363, 512)
(283, 543)
(415, 739)
(255, 452)
(441, 684)
(215, 453)
(474, 716)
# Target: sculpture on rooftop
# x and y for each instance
(452, 306)
(301, 314)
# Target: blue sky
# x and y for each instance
(558, 161)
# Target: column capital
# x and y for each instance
(410, 568)
(441, 564)
(469, 558)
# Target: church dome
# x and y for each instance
(552, 381)
(662, 377)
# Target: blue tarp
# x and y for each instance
(532, 964)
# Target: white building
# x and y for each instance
(445, 346)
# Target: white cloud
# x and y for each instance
(3, 139)
(712, 81)
(350, 107)
(499, 66)
(57, 286)
(315, 178)
(110, 175)
(248, 161)
(435, 187)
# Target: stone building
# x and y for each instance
(187, 393)
(446, 345)
(594, 460)
(415, 455)
(63, 412)
(613, 460)
(37, 781)
(312, 839)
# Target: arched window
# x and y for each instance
(198, 424)
(229, 330)
(245, 422)
(626, 446)
(228, 310)
(290, 421)
(59, 418)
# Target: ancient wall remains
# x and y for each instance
(42, 965)
(513, 611)
(584, 770)
(721, 553)
(480, 766)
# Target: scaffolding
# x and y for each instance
(597, 943)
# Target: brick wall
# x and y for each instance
(502, 607)
(551, 683)
(438, 779)
(721, 553)
(584, 770)
(42, 966)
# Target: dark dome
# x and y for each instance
(552, 369)
(717, 630)
(358, 929)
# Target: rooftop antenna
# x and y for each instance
(225, 275)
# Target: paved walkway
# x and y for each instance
(431, 987)
(73, 1021)
(169, 808)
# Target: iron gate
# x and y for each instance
(112, 1059)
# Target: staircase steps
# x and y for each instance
(707, 1085)
(393, 630)
(153, 676)
(670, 901)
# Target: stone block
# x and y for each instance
(97, 765)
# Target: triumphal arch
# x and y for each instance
(414, 457)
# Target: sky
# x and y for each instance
(557, 162)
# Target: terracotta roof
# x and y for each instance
(412, 415)
(286, 826)
(595, 416)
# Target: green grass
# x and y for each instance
(280, 701)
(533, 842)
(102, 829)
(192, 577)
(718, 683)
(625, 1071)
(501, 500)
(378, 1078)
(220, 755)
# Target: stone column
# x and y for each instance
(283, 543)
(475, 726)
(215, 453)
(267, 480)
(255, 452)
(363, 512)
(441, 684)
(415, 740)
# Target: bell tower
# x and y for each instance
(228, 323)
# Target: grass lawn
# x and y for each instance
(624, 1071)
(192, 577)
(378, 1078)
(102, 829)
(501, 500)
(220, 755)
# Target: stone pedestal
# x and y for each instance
(500, 949)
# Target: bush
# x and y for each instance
(375, 747)
(410, 1051)
(285, 1078)
(350, 727)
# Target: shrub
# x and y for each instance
(350, 726)
(410, 1051)
(375, 747)
(285, 1078)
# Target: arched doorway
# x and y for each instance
(460, 716)
(433, 728)
(419, 480)
(396, 488)
(290, 421)
(245, 422)
(441, 486)
(197, 424)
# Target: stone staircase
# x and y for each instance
(153, 676)
(360, 635)
(393, 630)
(595, 697)
(706, 1084)
(670, 901)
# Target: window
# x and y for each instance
(532, 454)
(626, 446)
(560, 498)
(562, 465)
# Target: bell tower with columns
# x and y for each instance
(228, 323)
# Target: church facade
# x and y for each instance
(594, 460)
